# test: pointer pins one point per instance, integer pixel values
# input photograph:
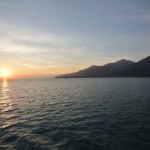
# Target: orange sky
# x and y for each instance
(34, 73)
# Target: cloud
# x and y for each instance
(72, 34)
(27, 48)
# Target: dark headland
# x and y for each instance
(121, 68)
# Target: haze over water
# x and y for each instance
(102, 113)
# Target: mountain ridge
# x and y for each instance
(121, 68)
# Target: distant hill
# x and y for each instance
(121, 68)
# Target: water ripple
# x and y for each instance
(75, 114)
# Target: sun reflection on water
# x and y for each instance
(6, 105)
(6, 102)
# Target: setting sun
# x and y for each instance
(5, 73)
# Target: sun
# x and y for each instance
(5, 73)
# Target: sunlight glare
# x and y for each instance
(5, 73)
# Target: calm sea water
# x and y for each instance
(75, 114)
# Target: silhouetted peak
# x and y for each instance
(121, 63)
(148, 58)
(144, 61)
(93, 66)
(124, 61)
(121, 68)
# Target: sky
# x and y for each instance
(41, 38)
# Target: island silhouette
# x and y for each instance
(121, 68)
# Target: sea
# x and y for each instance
(75, 114)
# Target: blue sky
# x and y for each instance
(62, 36)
